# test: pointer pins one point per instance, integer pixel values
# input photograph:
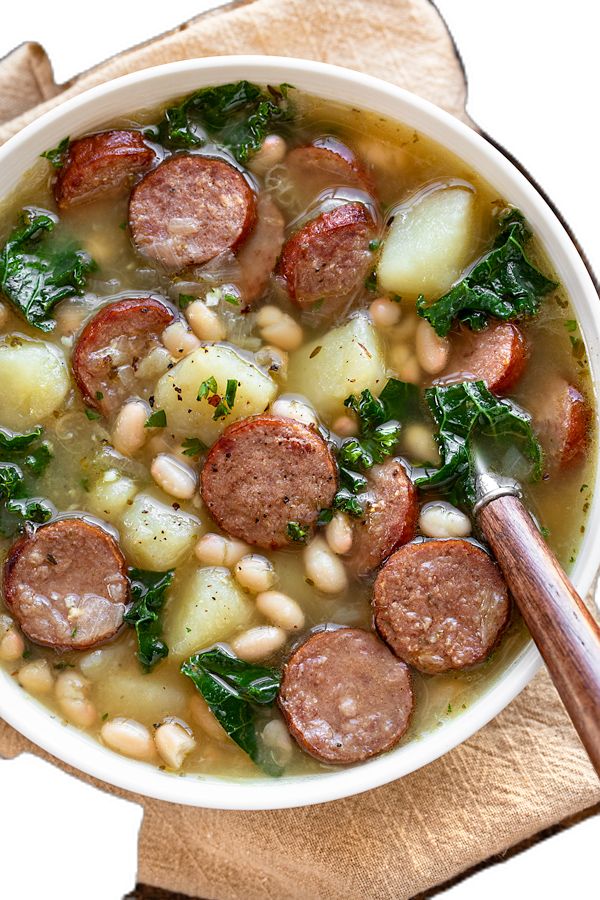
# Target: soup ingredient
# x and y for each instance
(178, 390)
(128, 737)
(56, 155)
(440, 605)
(442, 520)
(328, 258)
(503, 284)
(279, 329)
(432, 351)
(176, 478)
(238, 115)
(148, 595)
(428, 242)
(111, 344)
(111, 495)
(100, 165)
(34, 380)
(345, 426)
(344, 696)
(277, 738)
(129, 432)
(21, 455)
(265, 472)
(384, 313)
(390, 519)
(325, 569)
(280, 610)
(258, 643)
(216, 550)
(189, 210)
(497, 355)
(36, 273)
(203, 717)
(57, 601)
(179, 340)
(272, 151)
(418, 444)
(344, 359)
(36, 677)
(205, 322)
(339, 534)
(255, 573)
(156, 536)
(72, 693)
(174, 740)
(259, 253)
(290, 408)
(326, 163)
(234, 691)
(467, 414)
(209, 607)
(562, 417)
(12, 645)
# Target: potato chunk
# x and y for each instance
(208, 606)
(177, 391)
(428, 243)
(111, 495)
(344, 361)
(34, 379)
(156, 536)
(128, 691)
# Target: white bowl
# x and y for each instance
(148, 88)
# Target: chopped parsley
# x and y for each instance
(297, 532)
(57, 154)
(223, 404)
(184, 300)
(91, 414)
(158, 419)
(193, 446)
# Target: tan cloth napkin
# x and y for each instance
(526, 770)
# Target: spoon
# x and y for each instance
(566, 634)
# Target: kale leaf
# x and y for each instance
(234, 691)
(503, 284)
(237, 115)
(148, 593)
(22, 454)
(467, 413)
(35, 273)
(56, 155)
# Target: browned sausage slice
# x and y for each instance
(497, 355)
(327, 163)
(265, 472)
(390, 519)
(562, 417)
(115, 340)
(329, 257)
(101, 164)
(66, 584)
(345, 696)
(258, 255)
(440, 604)
(189, 209)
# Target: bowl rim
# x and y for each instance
(90, 109)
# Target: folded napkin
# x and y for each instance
(523, 772)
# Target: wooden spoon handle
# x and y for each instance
(564, 630)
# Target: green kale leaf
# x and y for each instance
(148, 593)
(56, 155)
(22, 455)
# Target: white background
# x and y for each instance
(534, 72)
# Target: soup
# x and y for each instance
(246, 342)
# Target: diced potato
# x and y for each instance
(111, 495)
(34, 379)
(209, 606)
(156, 536)
(428, 244)
(349, 360)
(177, 391)
(128, 691)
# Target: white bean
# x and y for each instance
(174, 740)
(205, 322)
(432, 351)
(179, 341)
(36, 676)
(268, 315)
(129, 434)
(278, 328)
(175, 478)
(384, 313)
(294, 409)
(278, 739)
(154, 364)
(280, 610)
(324, 568)
(203, 717)
(72, 693)
(410, 371)
(418, 443)
(255, 573)
(338, 533)
(128, 737)
(345, 426)
(12, 645)
(406, 328)
(399, 354)
(274, 359)
(216, 550)
(439, 519)
(271, 152)
(258, 643)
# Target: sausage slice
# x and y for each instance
(101, 164)
(113, 341)
(344, 696)
(497, 355)
(327, 163)
(66, 584)
(329, 257)
(390, 520)
(189, 209)
(440, 604)
(562, 417)
(265, 472)
(258, 256)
